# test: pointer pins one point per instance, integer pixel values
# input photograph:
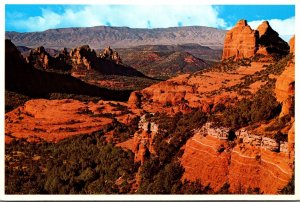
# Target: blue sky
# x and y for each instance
(27, 18)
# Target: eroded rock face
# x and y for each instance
(292, 44)
(83, 57)
(54, 120)
(240, 41)
(41, 59)
(135, 99)
(285, 88)
(270, 41)
(142, 145)
(111, 54)
(243, 42)
(221, 133)
(243, 166)
(291, 144)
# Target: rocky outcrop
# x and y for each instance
(270, 41)
(291, 144)
(23, 78)
(142, 145)
(221, 133)
(240, 41)
(206, 90)
(242, 166)
(148, 125)
(83, 57)
(244, 136)
(135, 99)
(270, 144)
(41, 59)
(111, 54)
(143, 139)
(285, 86)
(243, 42)
(53, 120)
(292, 44)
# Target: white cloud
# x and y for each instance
(285, 28)
(139, 16)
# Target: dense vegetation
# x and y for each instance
(79, 165)
(249, 111)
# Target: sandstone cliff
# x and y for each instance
(243, 42)
(285, 85)
(240, 41)
(252, 163)
(292, 44)
(270, 41)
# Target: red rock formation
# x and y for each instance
(269, 40)
(39, 58)
(285, 88)
(135, 99)
(201, 160)
(240, 41)
(292, 44)
(142, 145)
(83, 57)
(54, 120)
(111, 54)
(291, 145)
(243, 42)
(243, 166)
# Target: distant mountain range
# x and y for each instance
(119, 37)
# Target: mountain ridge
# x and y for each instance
(119, 37)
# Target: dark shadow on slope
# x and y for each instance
(24, 79)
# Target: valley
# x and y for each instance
(150, 117)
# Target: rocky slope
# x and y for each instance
(172, 63)
(55, 120)
(119, 37)
(204, 90)
(202, 52)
